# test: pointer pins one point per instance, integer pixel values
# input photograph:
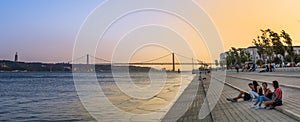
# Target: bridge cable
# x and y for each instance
(101, 59)
(73, 60)
(156, 58)
(183, 56)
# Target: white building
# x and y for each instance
(253, 53)
(297, 49)
(251, 50)
(223, 58)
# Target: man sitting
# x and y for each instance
(251, 95)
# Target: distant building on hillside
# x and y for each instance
(16, 57)
(254, 55)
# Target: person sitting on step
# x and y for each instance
(266, 97)
(277, 97)
(251, 95)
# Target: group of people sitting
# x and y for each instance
(261, 94)
(249, 67)
(269, 68)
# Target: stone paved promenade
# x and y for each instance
(224, 110)
(187, 107)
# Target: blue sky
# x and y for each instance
(45, 30)
(41, 30)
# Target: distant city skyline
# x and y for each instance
(45, 31)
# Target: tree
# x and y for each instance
(288, 58)
(244, 56)
(267, 43)
(263, 45)
(289, 42)
(297, 59)
(236, 57)
(231, 58)
(277, 60)
(270, 43)
(236, 54)
(277, 45)
(216, 62)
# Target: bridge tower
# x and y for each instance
(173, 62)
(87, 59)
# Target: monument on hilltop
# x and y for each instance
(16, 57)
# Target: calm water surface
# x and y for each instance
(44, 96)
(40, 97)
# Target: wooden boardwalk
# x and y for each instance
(289, 85)
(223, 111)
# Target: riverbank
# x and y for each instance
(11, 66)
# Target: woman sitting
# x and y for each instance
(277, 97)
(266, 97)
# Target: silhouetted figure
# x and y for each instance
(200, 75)
(237, 67)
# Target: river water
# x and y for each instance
(41, 96)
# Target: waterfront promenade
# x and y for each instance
(239, 111)
(288, 81)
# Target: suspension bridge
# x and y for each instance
(193, 61)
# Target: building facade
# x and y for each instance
(254, 54)
(297, 49)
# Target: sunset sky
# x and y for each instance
(45, 30)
